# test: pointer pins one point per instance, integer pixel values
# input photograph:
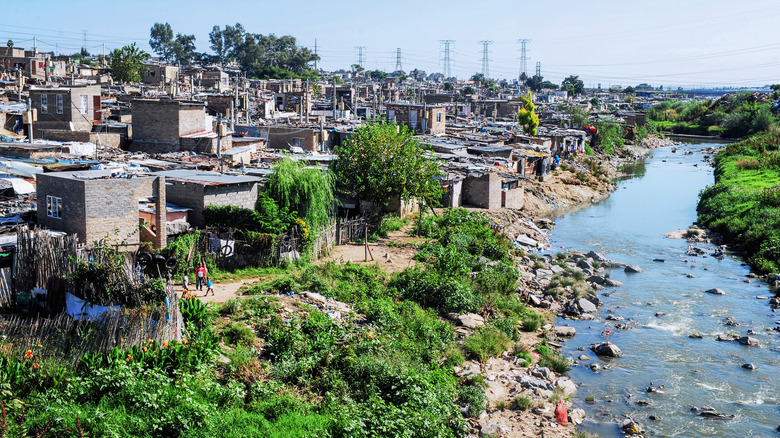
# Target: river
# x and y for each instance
(629, 227)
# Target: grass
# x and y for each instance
(523, 402)
(486, 343)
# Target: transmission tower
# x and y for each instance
(447, 72)
(485, 58)
(398, 66)
(524, 55)
(360, 55)
(538, 68)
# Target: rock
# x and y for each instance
(690, 275)
(774, 302)
(659, 260)
(658, 389)
(727, 337)
(596, 256)
(709, 411)
(557, 269)
(730, 321)
(630, 427)
(470, 320)
(544, 273)
(643, 402)
(749, 341)
(534, 300)
(585, 264)
(529, 382)
(491, 429)
(632, 269)
(715, 291)
(608, 282)
(653, 417)
(315, 297)
(542, 373)
(694, 336)
(595, 367)
(583, 357)
(607, 349)
(749, 366)
(614, 318)
(595, 279)
(586, 306)
(566, 385)
(761, 297)
(565, 332)
(587, 317)
(660, 313)
(578, 415)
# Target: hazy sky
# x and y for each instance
(625, 42)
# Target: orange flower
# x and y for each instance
(35, 365)
(150, 341)
(144, 349)
(165, 344)
(40, 345)
(184, 341)
(174, 332)
(128, 358)
(28, 354)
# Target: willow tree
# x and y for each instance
(305, 190)
(382, 161)
(526, 116)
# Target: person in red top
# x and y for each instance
(200, 277)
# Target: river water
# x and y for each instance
(629, 227)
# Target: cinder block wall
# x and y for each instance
(482, 191)
(241, 195)
(189, 195)
(156, 121)
(513, 198)
(73, 210)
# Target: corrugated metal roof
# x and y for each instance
(205, 178)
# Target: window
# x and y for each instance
(44, 104)
(58, 103)
(54, 207)
(438, 117)
(84, 103)
(298, 142)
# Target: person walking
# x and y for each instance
(185, 281)
(200, 277)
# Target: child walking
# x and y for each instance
(209, 287)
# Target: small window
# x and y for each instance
(84, 103)
(54, 207)
(438, 117)
(298, 142)
(59, 104)
(44, 104)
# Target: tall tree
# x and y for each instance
(218, 45)
(234, 37)
(526, 116)
(302, 189)
(161, 40)
(127, 63)
(183, 49)
(574, 85)
(380, 162)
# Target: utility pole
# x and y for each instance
(398, 66)
(30, 115)
(334, 99)
(485, 58)
(85, 40)
(538, 68)
(315, 52)
(35, 44)
(447, 72)
(523, 55)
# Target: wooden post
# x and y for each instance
(365, 241)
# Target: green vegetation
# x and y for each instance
(526, 117)
(127, 64)
(744, 203)
(306, 191)
(734, 116)
(383, 161)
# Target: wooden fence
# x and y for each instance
(351, 230)
(63, 337)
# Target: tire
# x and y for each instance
(144, 258)
(171, 263)
(246, 249)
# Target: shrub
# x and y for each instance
(555, 362)
(523, 402)
(531, 322)
(507, 326)
(486, 343)
(473, 396)
(237, 333)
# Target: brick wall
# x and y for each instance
(283, 138)
(156, 121)
(513, 198)
(241, 195)
(73, 211)
(189, 195)
(192, 118)
(483, 191)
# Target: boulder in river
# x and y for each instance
(608, 282)
(607, 349)
(715, 291)
(564, 332)
(632, 269)
(749, 341)
(586, 306)
(596, 256)
(709, 412)
(749, 366)
(731, 322)
(727, 337)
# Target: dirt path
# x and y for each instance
(222, 291)
(393, 254)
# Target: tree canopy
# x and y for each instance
(127, 63)
(574, 85)
(304, 190)
(180, 48)
(382, 161)
(526, 116)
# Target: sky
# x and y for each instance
(688, 43)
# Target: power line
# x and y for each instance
(398, 66)
(360, 55)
